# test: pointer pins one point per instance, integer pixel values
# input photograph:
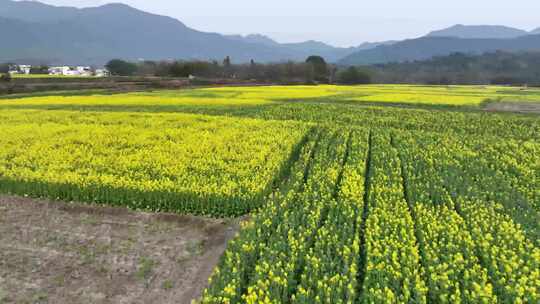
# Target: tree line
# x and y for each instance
(498, 68)
(312, 71)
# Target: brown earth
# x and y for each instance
(21, 86)
(515, 107)
(53, 252)
(112, 85)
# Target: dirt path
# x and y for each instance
(515, 107)
(53, 252)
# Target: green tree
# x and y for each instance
(252, 70)
(227, 67)
(227, 62)
(4, 68)
(320, 68)
(353, 75)
(118, 67)
(4, 72)
(42, 69)
(6, 77)
(180, 69)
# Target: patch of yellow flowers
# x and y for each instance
(162, 162)
(474, 250)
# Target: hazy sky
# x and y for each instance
(338, 22)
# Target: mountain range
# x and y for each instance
(469, 39)
(428, 47)
(35, 32)
(479, 31)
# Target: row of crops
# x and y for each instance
(466, 233)
(378, 216)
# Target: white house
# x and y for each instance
(101, 73)
(59, 70)
(25, 68)
(84, 70)
(20, 69)
(71, 71)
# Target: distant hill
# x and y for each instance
(479, 31)
(304, 49)
(254, 38)
(35, 12)
(62, 35)
(330, 53)
(536, 31)
(428, 47)
(372, 45)
(95, 35)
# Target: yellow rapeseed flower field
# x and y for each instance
(356, 194)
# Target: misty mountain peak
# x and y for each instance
(479, 32)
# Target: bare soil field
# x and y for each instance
(53, 252)
(515, 107)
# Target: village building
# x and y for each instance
(60, 70)
(20, 69)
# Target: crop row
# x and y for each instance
(483, 170)
(453, 272)
(279, 269)
(474, 250)
(393, 267)
(332, 266)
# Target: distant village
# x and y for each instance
(81, 71)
